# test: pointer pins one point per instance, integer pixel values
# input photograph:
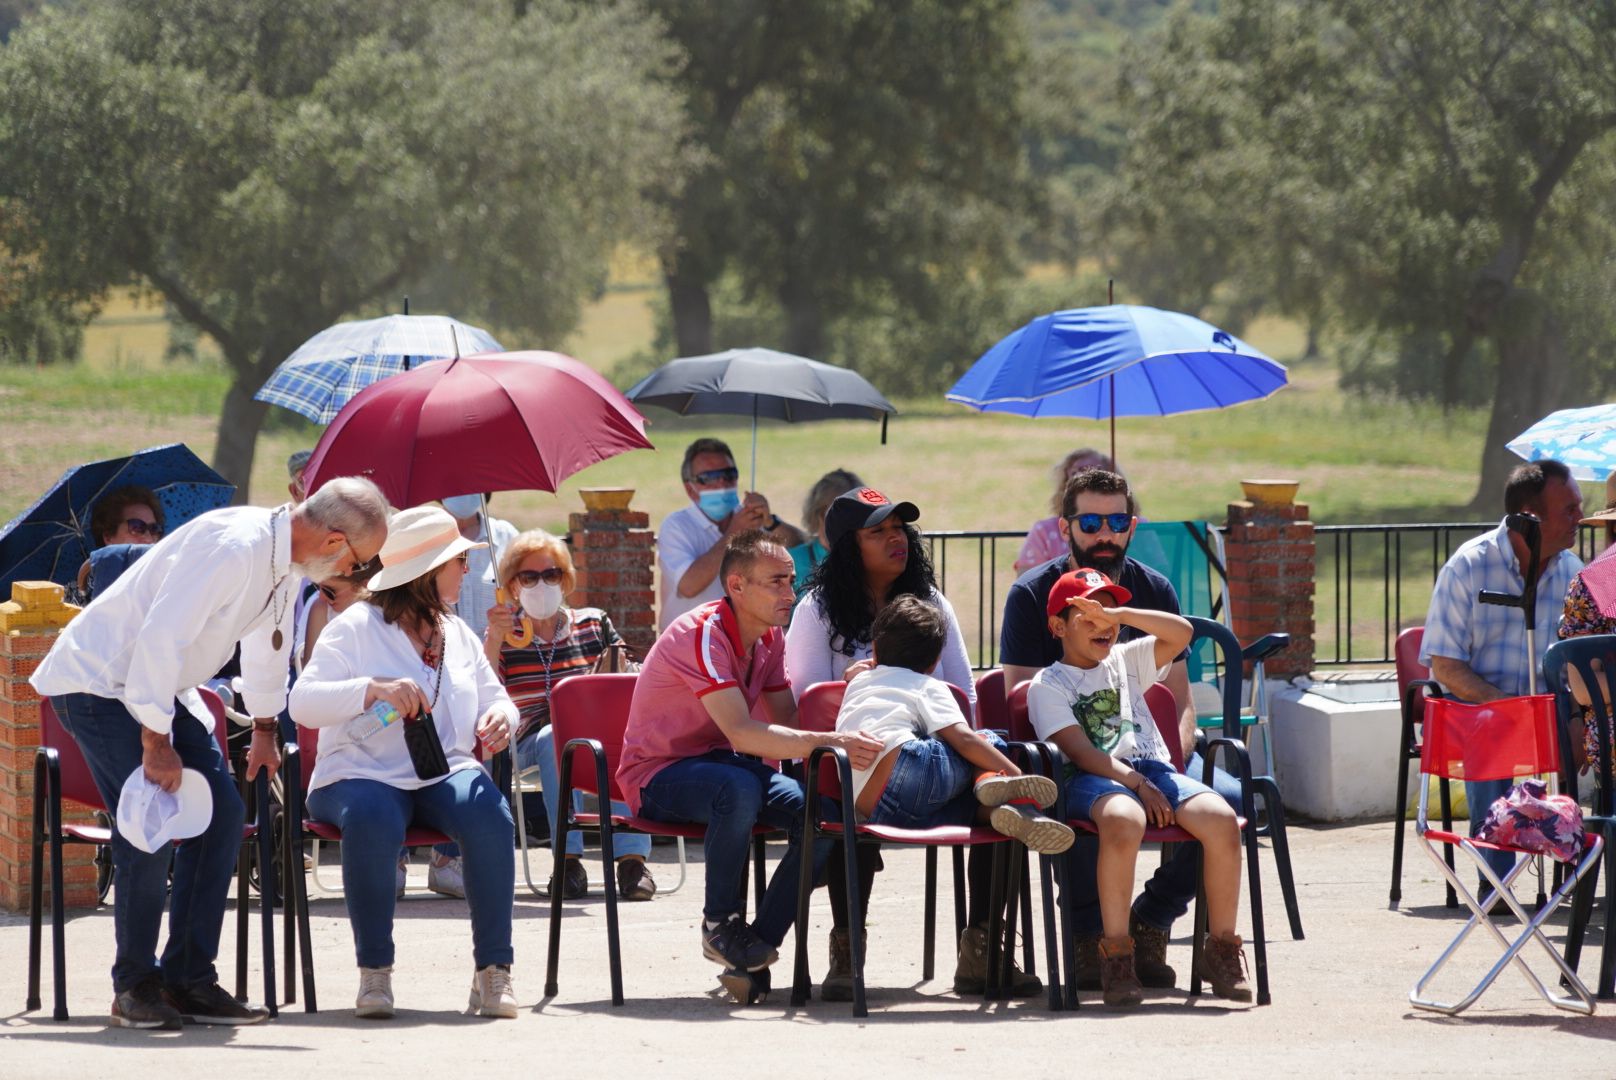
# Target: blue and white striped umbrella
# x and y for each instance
(1584, 440)
(331, 367)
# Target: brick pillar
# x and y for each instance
(612, 550)
(1270, 559)
(29, 624)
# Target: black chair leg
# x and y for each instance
(242, 858)
(1582, 904)
(36, 886)
(266, 892)
(58, 909)
(1258, 934)
(304, 931)
(1282, 851)
(928, 958)
(1607, 951)
(1399, 822)
(994, 986)
(959, 895)
(1029, 951)
(1051, 948)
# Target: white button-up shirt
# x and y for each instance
(172, 620)
(685, 536)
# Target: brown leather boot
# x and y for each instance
(1118, 982)
(838, 983)
(1223, 966)
(1087, 962)
(971, 973)
(1150, 955)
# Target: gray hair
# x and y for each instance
(823, 493)
(350, 505)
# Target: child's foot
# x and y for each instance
(998, 789)
(1223, 966)
(1044, 835)
(1119, 983)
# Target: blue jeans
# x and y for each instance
(1170, 890)
(372, 815)
(202, 866)
(930, 785)
(730, 793)
(538, 748)
(1481, 794)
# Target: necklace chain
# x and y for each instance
(276, 610)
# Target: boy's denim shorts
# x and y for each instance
(1084, 789)
(930, 785)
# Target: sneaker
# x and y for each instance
(1118, 981)
(734, 944)
(574, 879)
(999, 789)
(634, 880)
(375, 1000)
(971, 972)
(403, 874)
(1044, 835)
(1223, 966)
(212, 1004)
(447, 878)
(1150, 955)
(1086, 963)
(838, 984)
(144, 1005)
(491, 993)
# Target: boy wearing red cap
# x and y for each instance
(1119, 773)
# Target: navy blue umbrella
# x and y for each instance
(51, 539)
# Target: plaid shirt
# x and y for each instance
(1489, 638)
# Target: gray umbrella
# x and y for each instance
(762, 382)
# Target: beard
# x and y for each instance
(327, 566)
(1105, 557)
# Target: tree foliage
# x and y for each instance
(273, 166)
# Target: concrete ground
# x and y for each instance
(1340, 999)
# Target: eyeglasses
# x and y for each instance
(141, 527)
(716, 476)
(464, 558)
(358, 563)
(529, 578)
(1090, 523)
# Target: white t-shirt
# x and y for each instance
(1107, 700)
(685, 536)
(810, 659)
(895, 705)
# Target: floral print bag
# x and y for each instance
(1529, 818)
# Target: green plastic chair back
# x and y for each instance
(1180, 551)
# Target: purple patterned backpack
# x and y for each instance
(1531, 819)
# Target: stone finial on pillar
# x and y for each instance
(1269, 552)
(612, 549)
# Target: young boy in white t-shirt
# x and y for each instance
(934, 770)
(1119, 773)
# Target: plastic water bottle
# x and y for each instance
(372, 720)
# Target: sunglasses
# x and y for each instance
(715, 476)
(358, 564)
(1090, 523)
(464, 558)
(529, 578)
(140, 527)
(329, 593)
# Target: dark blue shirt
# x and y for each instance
(1024, 637)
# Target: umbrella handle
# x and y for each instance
(522, 636)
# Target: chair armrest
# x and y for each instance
(602, 782)
(810, 787)
(1264, 647)
(1241, 771)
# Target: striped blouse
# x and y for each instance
(529, 672)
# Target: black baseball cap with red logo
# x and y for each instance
(863, 508)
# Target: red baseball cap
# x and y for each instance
(1084, 582)
(863, 508)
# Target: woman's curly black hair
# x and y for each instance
(837, 586)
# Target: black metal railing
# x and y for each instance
(975, 570)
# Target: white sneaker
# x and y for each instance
(446, 878)
(491, 992)
(1043, 835)
(375, 1001)
(403, 874)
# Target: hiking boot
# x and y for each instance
(634, 880)
(998, 789)
(1086, 962)
(375, 1000)
(971, 973)
(1150, 955)
(1223, 966)
(734, 944)
(447, 878)
(144, 1005)
(838, 984)
(212, 1004)
(491, 992)
(1118, 980)
(1044, 835)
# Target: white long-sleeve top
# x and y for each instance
(171, 621)
(810, 659)
(359, 645)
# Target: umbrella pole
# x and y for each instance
(1111, 381)
(753, 486)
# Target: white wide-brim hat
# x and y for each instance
(151, 818)
(419, 540)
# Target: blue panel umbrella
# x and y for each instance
(1118, 360)
(331, 367)
(51, 539)
(1584, 440)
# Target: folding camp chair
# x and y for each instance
(1508, 739)
(1414, 685)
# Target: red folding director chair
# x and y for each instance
(1508, 739)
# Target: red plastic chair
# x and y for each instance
(1508, 739)
(992, 705)
(1164, 713)
(589, 714)
(1414, 685)
(816, 711)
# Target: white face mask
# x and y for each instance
(542, 600)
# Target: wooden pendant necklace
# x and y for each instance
(275, 610)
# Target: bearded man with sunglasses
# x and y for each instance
(1097, 521)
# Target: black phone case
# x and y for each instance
(426, 751)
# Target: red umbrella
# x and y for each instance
(520, 421)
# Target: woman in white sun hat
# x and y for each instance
(405, 649)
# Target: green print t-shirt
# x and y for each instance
(1107, 701)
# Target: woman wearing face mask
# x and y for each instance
(537, 569)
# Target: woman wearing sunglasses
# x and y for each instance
(129, 515)
(537, 569)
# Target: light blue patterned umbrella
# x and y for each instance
(332, 366)
(1584, 440)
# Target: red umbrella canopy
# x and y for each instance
(519, 421)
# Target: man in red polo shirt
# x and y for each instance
(692, 746)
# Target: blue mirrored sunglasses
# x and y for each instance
(1090, 523)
